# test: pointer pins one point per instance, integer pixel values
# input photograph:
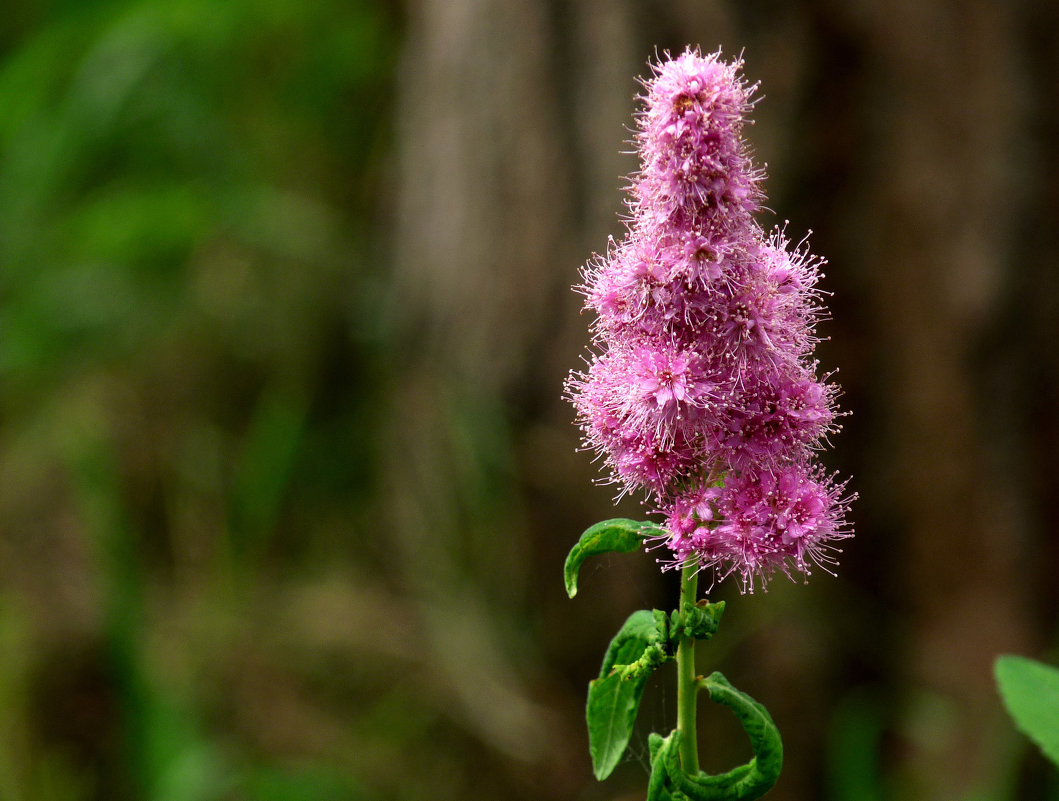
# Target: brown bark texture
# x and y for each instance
(917, 140)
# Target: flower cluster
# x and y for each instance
(702, 389)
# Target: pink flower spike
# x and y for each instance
(701, 389)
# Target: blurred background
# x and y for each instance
(286, 480)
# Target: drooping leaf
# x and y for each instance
(611, 711)
(619, 535)
(614, 697)
(1030, 691)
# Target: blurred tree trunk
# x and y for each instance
(897, 134)
(483, 254)
(944, 204)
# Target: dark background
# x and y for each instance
(286, 480)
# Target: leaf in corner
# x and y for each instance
(1030, 691)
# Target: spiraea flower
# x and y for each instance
(701, 389)
(695, 163)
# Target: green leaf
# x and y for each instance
(659, 749)
(614, 697)
(619, 535)
(758, 776)
(640, 643)
(698, 620)
(1030, 691)
(611, 711)
(744, 783)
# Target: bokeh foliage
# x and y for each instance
(189, 338)
(285, 478)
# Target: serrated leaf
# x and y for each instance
(619, 535)
(1030, 691)
(613, 700)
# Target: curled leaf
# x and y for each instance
(668, 780)
(758, 776)
(619, 535)
(696, 620)
(660, 749)
(703, 787)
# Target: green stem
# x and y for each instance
(686, 689)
